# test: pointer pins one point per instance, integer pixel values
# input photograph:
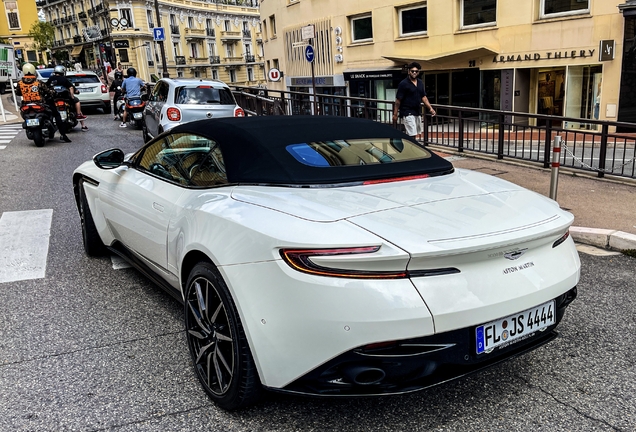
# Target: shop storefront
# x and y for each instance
(327, 85)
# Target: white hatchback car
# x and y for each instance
(181, 100)
(91, 92)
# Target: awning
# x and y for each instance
(77, 50)
(445, 59)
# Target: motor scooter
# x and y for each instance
(120, 104)
(135, 107)
(67, 112)
(38, 122)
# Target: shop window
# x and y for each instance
(361, 28)
(583, 99)
(476, 13)
(123, 55)
(413, 20)
(551, 8)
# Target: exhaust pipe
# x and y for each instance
(363, 375)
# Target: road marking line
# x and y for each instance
(24, 236)
(3, 147)
(119, 263)
(4, 141)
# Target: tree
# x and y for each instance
(43, 35)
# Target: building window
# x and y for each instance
(32, 56)
(123, 55)
(250, 74)
(11, 8)
(68, 33)
(175, 48)
(75, 30)
(229, 50)
(361, 29)
(478, 13)
(264, 32)
(180, 74)
(413, 21)
(550, 8)
(194, 50)
(197, 74)
(232, 75)
(151, 23)
(173, 20)
(215, 74)
(272, 25)
(125, 13)
(227, 26)
(212, 48)
(190, 22)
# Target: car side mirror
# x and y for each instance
(109, 159)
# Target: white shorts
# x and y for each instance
(413, 125)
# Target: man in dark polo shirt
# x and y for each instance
(410, 94)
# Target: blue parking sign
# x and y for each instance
(159, 34)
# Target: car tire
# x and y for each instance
(217, 342)
(93, 245)
(144, 133)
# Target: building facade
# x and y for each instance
(15, 24)
(556, 57)
(202, 39)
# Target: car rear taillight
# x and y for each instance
(563, 238)
(173, 114)
(238, 112)
(104, 89)
(300, 259)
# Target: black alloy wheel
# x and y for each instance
(218, 346)
(93, 245)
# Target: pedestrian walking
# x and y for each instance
(410, 94)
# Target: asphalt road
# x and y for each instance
(89, 347)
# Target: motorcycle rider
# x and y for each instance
(115, 90)
(59, 79)
(32, 90)
(132, 86)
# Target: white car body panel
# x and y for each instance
(294, 321)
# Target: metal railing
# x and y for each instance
(602, 147)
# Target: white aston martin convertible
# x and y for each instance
(330, 256)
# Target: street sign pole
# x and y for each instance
(313, 81)
(161, 47)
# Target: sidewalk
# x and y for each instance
(604, 209)
(9, 109)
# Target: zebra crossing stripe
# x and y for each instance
(24, 236)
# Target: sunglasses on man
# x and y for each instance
(414, 71)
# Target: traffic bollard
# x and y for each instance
(556, 158)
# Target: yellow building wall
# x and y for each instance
(27, 14)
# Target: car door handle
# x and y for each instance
(157, 207)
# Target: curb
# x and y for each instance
(604, 238)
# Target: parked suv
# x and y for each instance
(91, 91)
(175, 101)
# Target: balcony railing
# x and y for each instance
(210, 32)
(180, 60)
(174, 30)
(77, 39)
(247, 34)
(82, 15)
(151, 63)
(192, 32)
(249, 58)
(215, 59)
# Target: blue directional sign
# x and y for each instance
(159, 34)
(309, 53)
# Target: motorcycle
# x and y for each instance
(67, 112)
(135, 106)
(120, 105)
(38, 122)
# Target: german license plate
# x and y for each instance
(137, 115)
(514, 327)
(33, 122)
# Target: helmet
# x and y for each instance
(59, 70)
(119, 75)
(28, 69)
(131, 72)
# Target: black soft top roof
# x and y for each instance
(254, 149)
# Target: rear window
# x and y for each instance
(45, 73)
(83, 79)
(203, 95)
(356, 152)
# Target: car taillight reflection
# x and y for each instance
(238, 112)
